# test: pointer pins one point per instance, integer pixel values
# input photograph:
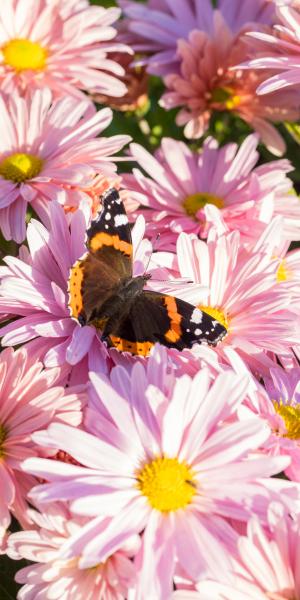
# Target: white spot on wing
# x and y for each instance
(196, 316)
(198, 331)
(108, 216)
(120, 220)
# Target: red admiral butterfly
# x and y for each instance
(103, 293)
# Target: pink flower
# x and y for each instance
(280, 51)
(34, 291)
(280, 407)
(267, 567)
(167, 466)
(156, 27)
(49, 150)
(30, 399)
(52, 577)
(184, 185)
(205, 82)
(64, 46)
(242, 293)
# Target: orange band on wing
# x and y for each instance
(75, 282)
(104, 239)
(174, 333)
(140, 348)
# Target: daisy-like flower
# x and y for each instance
(50, 151)
(64, 46)
(267, 567)
(30, 399)
(242, 293)
(156, 27)
(51, 577)
(170, 467)
(184, 184)
(34, 291)
(280, 406)
(279, 50)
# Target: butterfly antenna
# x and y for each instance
(153, 250)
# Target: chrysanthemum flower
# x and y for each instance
(64, 46)
(52, 577)
(205, 82)
(279, 405)
(167, 466)
(279, 51)
(30, 399)
(267, 567)
(34, 291)
(242, 293)
(156, 27)
(49, 151)
(184, 184)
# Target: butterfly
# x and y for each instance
(104, 293)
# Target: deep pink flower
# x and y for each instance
(30, 399)
(279, 51)
(64, 46)
(205, 82)
(50, 150)
(155, 28)
(183, 185)
(166, 465)
(52, 577)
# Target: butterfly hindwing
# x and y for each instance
(156, 317)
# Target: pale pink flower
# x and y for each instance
(183, 184)
(64, 46)
(279, 405)
(34, 291)
(50, 150)
(279, 50)
(167, 466)
(30, 399)
(267, 566)
(155, 28)
(52, 577)
(242, 293)
(205, 82)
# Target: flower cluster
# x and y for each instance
(144, 456)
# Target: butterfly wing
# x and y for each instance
(96, 276)
(109, 235)
(156, 317)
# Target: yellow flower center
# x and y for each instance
(291, 416)
(23, 55)
(167, 484)
(195, 202)
(226, 97)
(283, 274)
(216, 313)
(20, 167)
(3, 436)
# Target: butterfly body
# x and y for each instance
(104, 293)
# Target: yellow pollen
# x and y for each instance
(283, 274)
(3, 436)
(20, 167)
(225, 97)
(24, 55)
(167, 484)
(217, 314)
(291, 416)
(195, 202)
